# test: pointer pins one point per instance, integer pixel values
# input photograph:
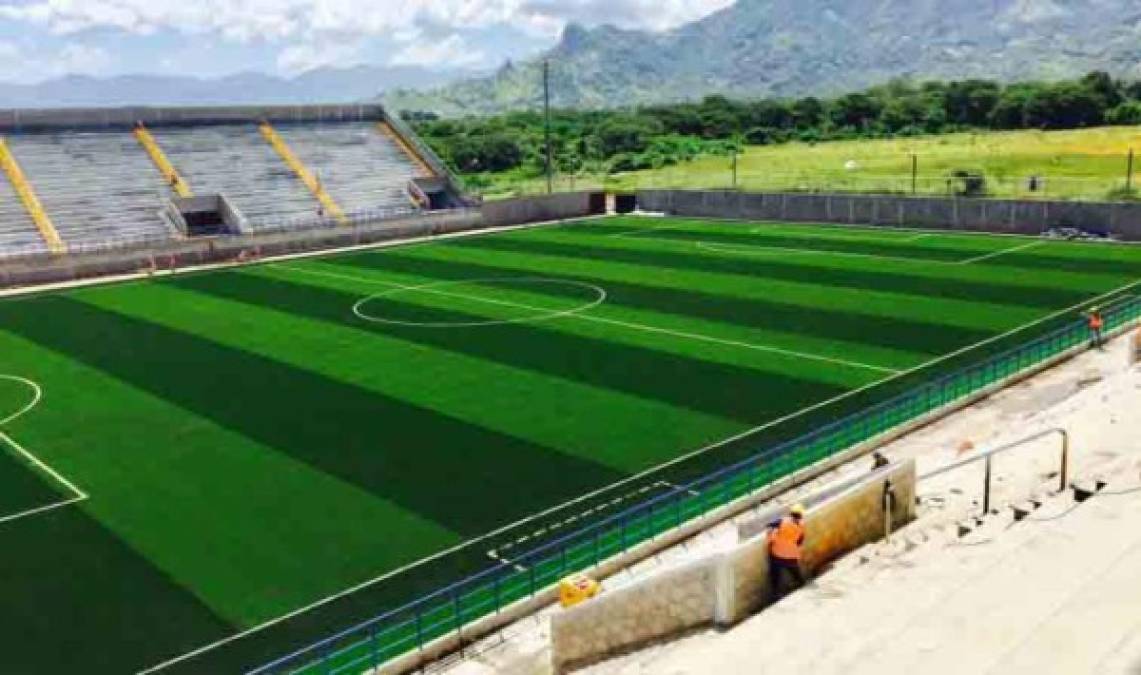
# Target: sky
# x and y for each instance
(44, 39)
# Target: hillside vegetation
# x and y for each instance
(789, 48)
(973, 137)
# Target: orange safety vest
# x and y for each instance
(784, 542)
(1096, 322)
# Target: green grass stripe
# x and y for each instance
(157, 471)
(926, 281)
(597, 359)
(1075, 267)
(551, 412)
(77, 599)
(749, 341)
(1029, 253)
(738, 290)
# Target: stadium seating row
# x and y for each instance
(103, 186)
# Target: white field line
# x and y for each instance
(894, 228)
(643, 230)
(77, 494)
(577, 314)
(990, 256)
(761, 250)
(590, 495)
(889, 237)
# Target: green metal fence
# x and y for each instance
(448, 609)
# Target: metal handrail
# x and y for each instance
(988, 455)
(720, 487)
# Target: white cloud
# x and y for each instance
(304, 56)
(452, 51)
(312, 33)
(282, 19)
(24, 64)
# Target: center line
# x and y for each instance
(613, 322)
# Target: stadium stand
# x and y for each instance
(94, 186)
(359, 166)
(106, 177)
(236, 161)
(18, 234)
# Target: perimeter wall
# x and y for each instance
(726, 587)
(1120, 219)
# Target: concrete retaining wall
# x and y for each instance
(178, 254)
(12, 121)
(537, 209)
(1121, 219)
(726, 587)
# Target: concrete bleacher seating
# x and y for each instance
(18, 234)
(360, 167)
(95, 187)
(236, 161)
(100, 184)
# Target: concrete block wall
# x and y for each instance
(536, 209)
(837, 523)
(1121, 219)
(726, 587)
(669, 603)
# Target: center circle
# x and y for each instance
(455, 289)
(24, 403)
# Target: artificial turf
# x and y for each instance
(251, 445)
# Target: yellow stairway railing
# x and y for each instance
(387, 130)
(31, 202)
(169, 173)
(331, 208)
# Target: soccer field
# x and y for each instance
(192, 457)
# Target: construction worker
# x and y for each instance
(1096, 326)
(786, 537)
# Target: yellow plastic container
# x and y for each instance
(577, 589)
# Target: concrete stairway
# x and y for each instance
(1057, 592)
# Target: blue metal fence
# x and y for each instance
(448, 609)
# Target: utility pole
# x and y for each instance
(1129, 174)
(734, 166)
(547, 121)
(914, 173)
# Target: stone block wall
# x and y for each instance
(665, 604)
(725, 587)
(841, 520)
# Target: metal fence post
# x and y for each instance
(986, 486)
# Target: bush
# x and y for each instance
(1125, 114)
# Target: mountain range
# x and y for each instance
(787, 48)
(323, 85)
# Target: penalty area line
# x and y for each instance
(77, 495)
